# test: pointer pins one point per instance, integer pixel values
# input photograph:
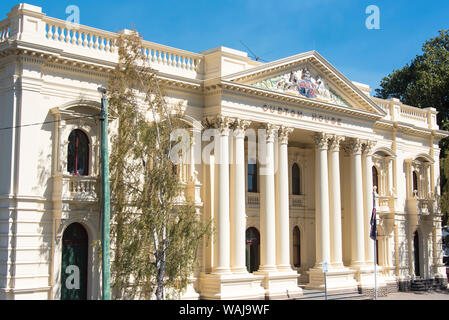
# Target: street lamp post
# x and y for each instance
(105, 241)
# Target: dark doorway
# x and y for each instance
(416, 253)
(74, 263)
(252, 249)
(296, 247)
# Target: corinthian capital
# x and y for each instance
(368, 146)
(321, 140)
(272, 130)
(354, 146)
(334, 142)
(240, 127)
(223, 124)
(284, 132)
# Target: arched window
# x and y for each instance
(252, 177)
(78, 153)
(296, 247)
(415, 182)
(296, 180)
(252, 249)
(375, 179)
(74, 263)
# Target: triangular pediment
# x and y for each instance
(309, 76)
(303, 81)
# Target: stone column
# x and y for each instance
(357, 220)
(282, 212)
(321, 200)
(368, 192)
(390, 164)
(335, 201)
(238, 212)
(222, 224)
(267, 204)
(428, 180)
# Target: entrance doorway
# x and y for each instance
(74, 263)
(252, 249)
(416, 253)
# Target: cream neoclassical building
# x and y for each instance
(327, 144)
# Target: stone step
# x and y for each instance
(319, 295)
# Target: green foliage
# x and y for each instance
(155, 237)
(425, 81)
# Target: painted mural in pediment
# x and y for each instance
(303, 82)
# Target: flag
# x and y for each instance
(373, 231)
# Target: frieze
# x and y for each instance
(287, 112)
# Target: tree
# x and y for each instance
(155, 237)
(425, 81)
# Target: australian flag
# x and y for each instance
(373, 231)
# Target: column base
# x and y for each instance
(338, 280)
(280, 284)
(190, 293)
(239, 286)
(366, 281)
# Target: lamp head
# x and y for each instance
(102, 90)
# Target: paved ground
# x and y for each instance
(417, 296)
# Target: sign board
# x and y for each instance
(325, 267)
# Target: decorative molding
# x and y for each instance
(240, 127)
(284, 132)
(321, 140)
(223, 124)
(303, 82)
(354, 146)
(368, 147)
(334, 143)
(272, 131)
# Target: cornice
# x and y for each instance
(411, 129)
(286, 98)
(73, 64)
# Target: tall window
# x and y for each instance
(375, 179)
(296, 180)
(296, 247)
(78, 153)
(415, 182)
(252, 177)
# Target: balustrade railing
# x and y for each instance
(398, 111)
(171, 57)
(91, 42)
(413, 113)
(297, 201)
(79, 36)
(252, 200)
(80, 187)
(4, 30)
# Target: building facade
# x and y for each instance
(330, 153)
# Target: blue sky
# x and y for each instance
(275, 29)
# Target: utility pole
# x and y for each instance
(106, 199)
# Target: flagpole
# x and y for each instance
(375, 269)
(375, 246)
